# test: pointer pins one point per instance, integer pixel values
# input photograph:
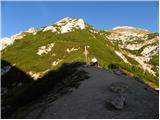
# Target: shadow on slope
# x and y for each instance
(11, 76)
(68, 75)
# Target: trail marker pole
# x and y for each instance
(86, 53)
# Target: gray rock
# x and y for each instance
(118, 87)
(117, 72)
(117, 101)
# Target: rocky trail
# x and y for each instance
(106, 94)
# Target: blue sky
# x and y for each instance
(19, 16)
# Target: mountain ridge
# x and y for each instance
(125, 44)
(81, 24)
(51, 61)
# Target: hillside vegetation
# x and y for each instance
(40, 60)
(37, 51)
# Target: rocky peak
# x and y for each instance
(128, 28)
(130, 31)
(32, 30)
(75, 22)
(66, 25)
(4, 42)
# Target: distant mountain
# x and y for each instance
(39, 50)
(40, 65)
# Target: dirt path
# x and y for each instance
(88, 100)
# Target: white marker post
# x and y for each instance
(86, 53)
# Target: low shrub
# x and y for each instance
(113, 66)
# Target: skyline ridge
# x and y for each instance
(122, 26)
(102, 15)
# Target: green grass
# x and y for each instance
(23, 52)
(147, 77)
(131, 60)
(155, 60)
(152, 35)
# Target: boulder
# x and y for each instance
(117, 101)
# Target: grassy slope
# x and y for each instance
(23, 52)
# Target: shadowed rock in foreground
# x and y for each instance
(103, 95)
